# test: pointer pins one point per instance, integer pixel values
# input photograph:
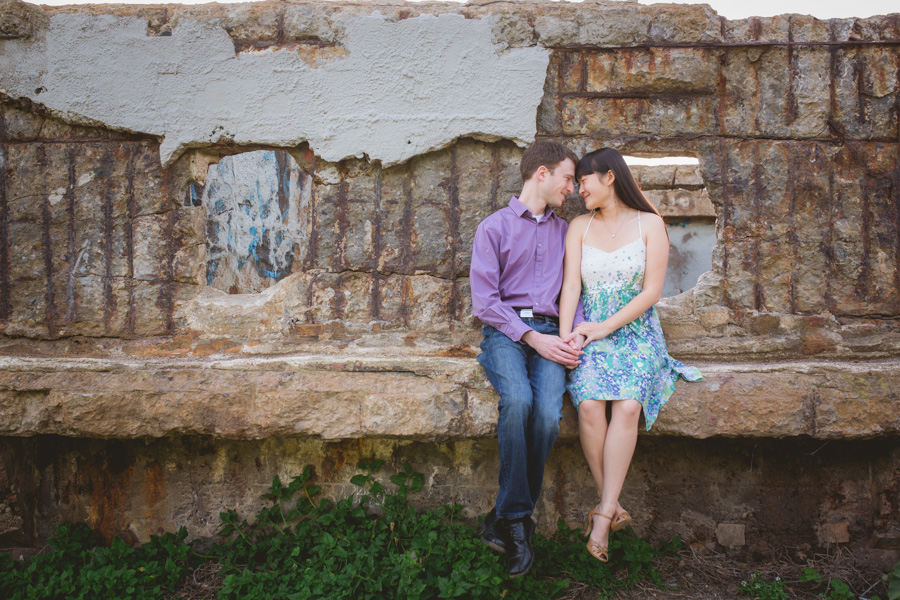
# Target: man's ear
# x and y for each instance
(542, 172)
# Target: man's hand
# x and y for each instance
(552, 348)
(575, 341)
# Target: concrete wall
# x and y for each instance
(111, 117)
(797, 492)
(257, 204)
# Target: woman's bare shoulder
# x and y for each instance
(581, 220)
(578, 224)
(652, 221)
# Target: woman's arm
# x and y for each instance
(571, 286)
(657, 242)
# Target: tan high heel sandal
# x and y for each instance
(621, 520)
(599, 552)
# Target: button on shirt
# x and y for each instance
(517, 262)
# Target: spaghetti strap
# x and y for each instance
(640, 233)
(588, 226)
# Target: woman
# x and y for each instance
(616, 258)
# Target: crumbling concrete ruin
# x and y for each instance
(137, 394)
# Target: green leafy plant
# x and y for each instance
(810, 574)
(893, 583)
(78, 568)
(757, 587)
(838, 590)
(371, 544)
(364, 546)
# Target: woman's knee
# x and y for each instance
(592, 411)
(627, 409)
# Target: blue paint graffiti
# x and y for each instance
(211, 267)
(253, 231)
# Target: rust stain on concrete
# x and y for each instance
(154, 484)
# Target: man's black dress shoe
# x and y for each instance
(490, 533)
(519, 553)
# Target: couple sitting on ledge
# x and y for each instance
(570, 306)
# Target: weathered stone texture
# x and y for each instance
(430, 398)
(731, 535)
(667, 177)
(611, 117)
(137, 488)
(865, 92)
(659, 71)
(784, 210)
(389, 248)
(681, 203)
(19, 19)
(110, 331)
(779, 92)
(88, 226)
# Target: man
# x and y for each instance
(516, 277)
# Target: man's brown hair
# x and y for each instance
(546, 153)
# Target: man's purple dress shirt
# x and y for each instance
(517, 262)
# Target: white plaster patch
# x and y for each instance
(405, 88)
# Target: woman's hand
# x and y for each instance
(592, 331)
(576, 342)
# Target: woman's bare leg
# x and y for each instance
(592, 433)
(621, 439)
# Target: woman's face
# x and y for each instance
(597, 190)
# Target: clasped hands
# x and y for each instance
(566, 350)
(589, 332)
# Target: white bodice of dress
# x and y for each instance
(623, 267)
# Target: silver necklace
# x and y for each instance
(621, 222)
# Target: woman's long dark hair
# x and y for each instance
(605, 160)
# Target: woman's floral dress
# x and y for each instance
(632, 362)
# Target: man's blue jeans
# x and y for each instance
(531, 390)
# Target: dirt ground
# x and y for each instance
(717, 577)
(694, 577)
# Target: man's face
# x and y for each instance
(558, 183)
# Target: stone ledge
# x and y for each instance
(423, 398)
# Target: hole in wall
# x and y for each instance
(256, 204)
(675, 186)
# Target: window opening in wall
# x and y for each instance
(675, 186)
(256, 202)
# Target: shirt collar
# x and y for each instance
(520, 209)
